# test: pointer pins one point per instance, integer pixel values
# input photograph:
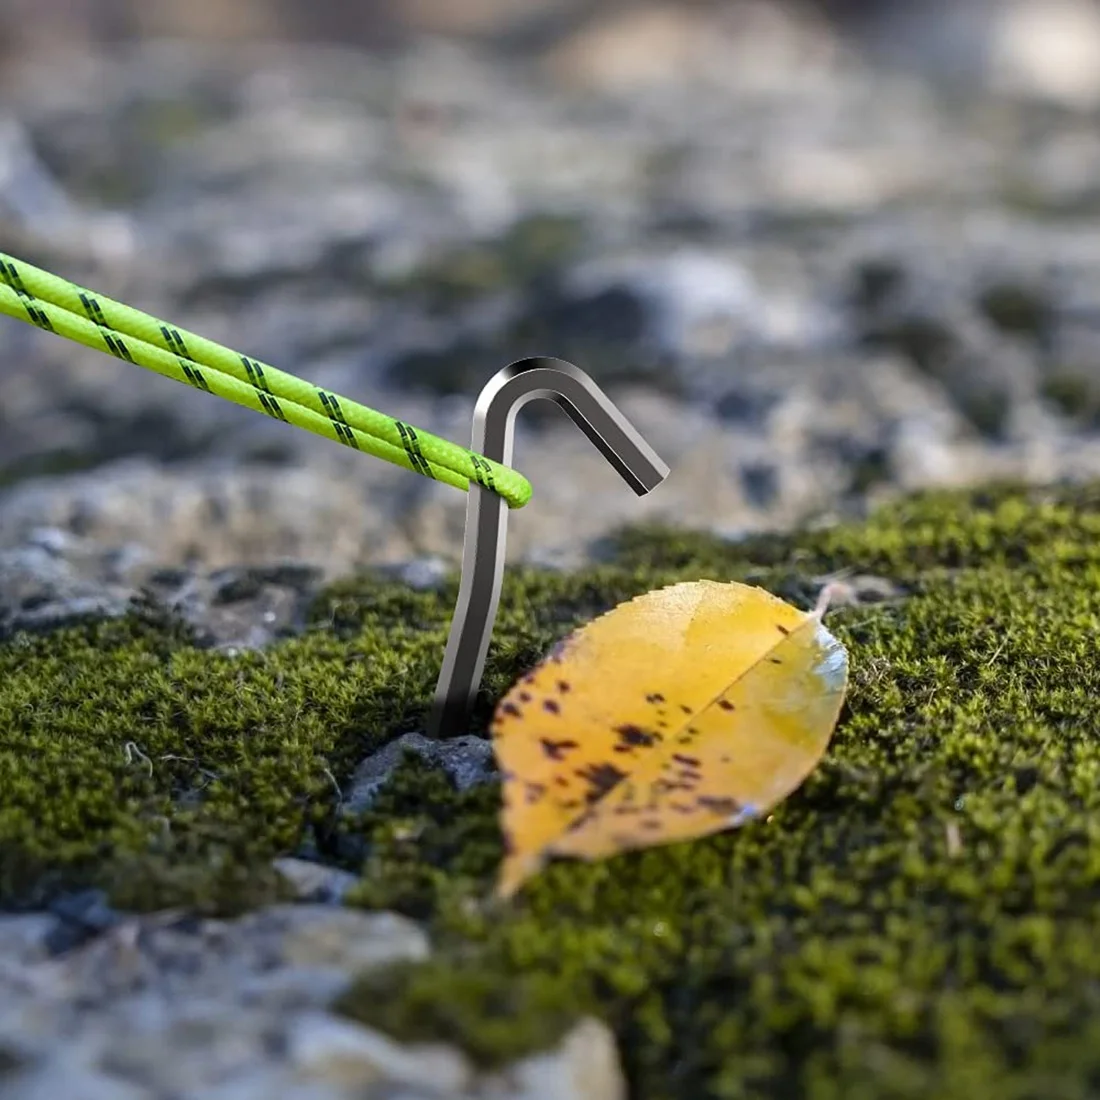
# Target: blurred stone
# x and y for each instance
(638, 46)
(314, 882)
(28, 190)
(26, 938)
(330, 1049)
(61, 1078)
(584, 1067)
(859, 589)
(58, 577)
(424, 573)
(477, 17)
(753, 46)
(810, 282)
(215, 519)
(1049, 48)
(1045, 49)
(166, 1003)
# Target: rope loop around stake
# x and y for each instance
(30, 294)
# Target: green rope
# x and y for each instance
(30, 294)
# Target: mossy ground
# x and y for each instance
(919, 920)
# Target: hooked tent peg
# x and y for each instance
(486, 532)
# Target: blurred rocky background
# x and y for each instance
(820, 253)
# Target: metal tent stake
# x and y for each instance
(487, 513)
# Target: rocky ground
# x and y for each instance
(237, 1010)
(812, 282)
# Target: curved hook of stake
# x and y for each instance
(487, 513)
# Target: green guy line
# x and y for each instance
(30, 294)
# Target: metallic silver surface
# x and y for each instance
(487, 513)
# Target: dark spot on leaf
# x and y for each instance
(512, 709)
(575, 825)
(525, 697)
(687, 761)
(600, 778)
(563, 686)
(535, 791)
(551, 706)
(781, 628)
(685, 708)
(725, 704)
(775, 660)
(556, 750)
(655, 697)
(631, 736)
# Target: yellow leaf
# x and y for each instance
(677, 714)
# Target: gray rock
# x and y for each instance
(265, 1082)
(89, 908)
(247, 608)
(57, 577)
(585, 1066)
(425, 573)
(26, 937)
(28, 190)
(1045, 49)
(60, 1078)
(467, 759)
(315, 882)
(333, 1050)
(859, 589)
(165, 1002)
(346, 940)
(40, 587)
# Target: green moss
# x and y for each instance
(918, 920)
(119, 757)
(914, 922)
